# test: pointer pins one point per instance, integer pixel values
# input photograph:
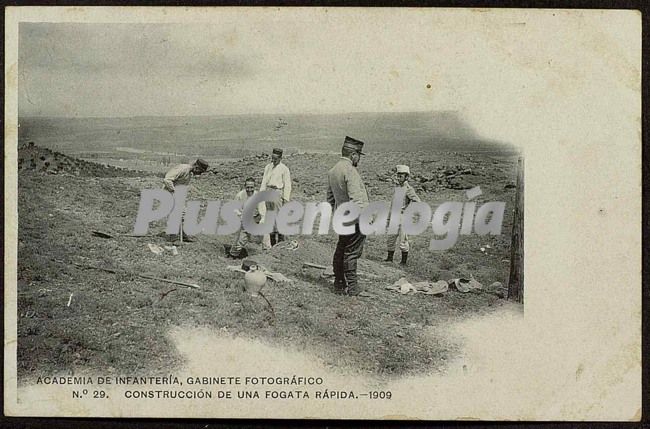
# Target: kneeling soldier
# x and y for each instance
(238, 250)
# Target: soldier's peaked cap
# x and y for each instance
(353, 144)
(201, 163)
(277, 151)
(403, 169)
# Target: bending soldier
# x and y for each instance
(181, 175)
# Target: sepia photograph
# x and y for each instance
(289, 213)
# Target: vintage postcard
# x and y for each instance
(320, 213)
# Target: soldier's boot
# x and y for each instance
(280, 237)
(273, 239)
(350, 281)
(405, 256)
(389, 258)
(339, 283)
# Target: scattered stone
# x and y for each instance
(498, 289)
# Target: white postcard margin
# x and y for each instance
(577, 353)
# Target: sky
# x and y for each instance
(496, 68)
(179, 69)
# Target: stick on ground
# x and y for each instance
(144, 276)
(312, 265)
(269, 303)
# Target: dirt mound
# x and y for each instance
(41, 159)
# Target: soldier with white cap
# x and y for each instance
(403, 173)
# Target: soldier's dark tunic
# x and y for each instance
(345, 184)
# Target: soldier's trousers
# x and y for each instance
(348, 249)
(275, 237)
(243, 238)
(402, 238)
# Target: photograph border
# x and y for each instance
(65, 422)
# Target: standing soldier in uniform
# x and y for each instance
(345, 184)
(181, 175)
(277, 176)
(403, 172)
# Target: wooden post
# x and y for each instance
(516, 279)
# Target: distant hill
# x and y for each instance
(240, 135)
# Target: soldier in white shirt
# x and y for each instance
(277, 176)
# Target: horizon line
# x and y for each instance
(239, 114)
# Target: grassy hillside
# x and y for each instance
(119, 321)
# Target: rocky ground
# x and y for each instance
(117, 321)
(42, 159)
